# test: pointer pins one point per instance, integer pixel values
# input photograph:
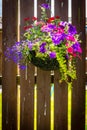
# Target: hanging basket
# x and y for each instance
(44, 64)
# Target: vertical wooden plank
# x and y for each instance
(27, 99)
(60, 104)
(60, 90)
(43, 91)
(27, 84)
(9, 94)
(61, 9)
(78, 90)
(43, 100)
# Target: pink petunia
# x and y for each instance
(70, 50)
(70, 38)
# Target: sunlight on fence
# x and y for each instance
(69, 108)
(35, 108)
(51, 105)
(18, 107)
(86, 110)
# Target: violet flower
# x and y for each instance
(30, 45)
(42, 47)
(58, 38)
(52, 55)
(72, 30)
(77, 48)
(46, 6)
(63, 24)
(48, 28)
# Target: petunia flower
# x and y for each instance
(42, 47)
(70, 50)
(52, 55)
(77, 47)
(70, 38)
(48, 28)
(58, 38)
(46, 6)
(72, 29)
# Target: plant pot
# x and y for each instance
(44, 64)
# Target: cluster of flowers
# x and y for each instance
(48, 37)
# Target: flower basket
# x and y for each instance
(47, 64)
(48, 43)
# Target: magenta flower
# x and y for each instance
(70, 38)
(70, 50)
(48, 28)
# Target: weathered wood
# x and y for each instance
(9, 94)
(60, 90)
(43, 80)
(61, 9)
(43, 92)
(27, 99)
(60, 104)
(78, 90)
(27, 85)
(43, 100)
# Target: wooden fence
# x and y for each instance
(43, 78)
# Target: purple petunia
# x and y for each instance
(42, 47)
(51, 26)
(77, 48)
(63, 24)
(52, 55)
(58, 38)
(48, 28)
(46, 6)
(72, 30)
